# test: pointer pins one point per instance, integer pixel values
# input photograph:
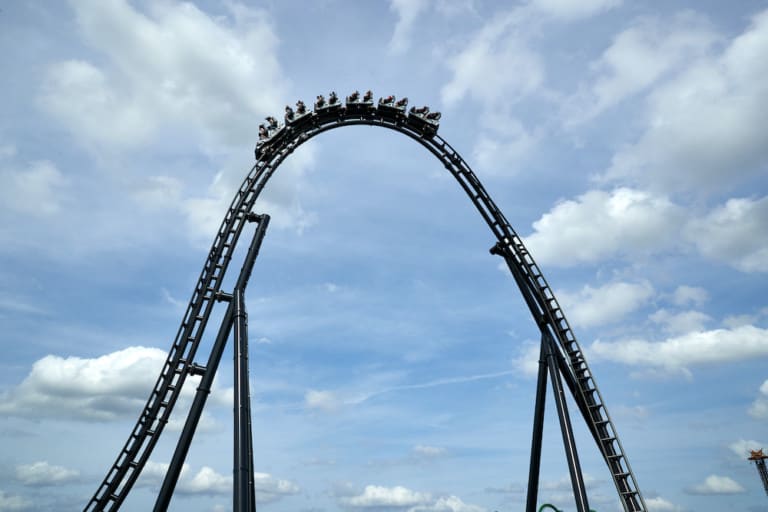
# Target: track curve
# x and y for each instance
(536, 291)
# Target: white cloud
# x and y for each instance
(742, 447)
(705, 125)
(44, 474)
(325, 401)
(375, 496)
(685, 295)
(715, 484)
(10, 503)
(606, 304)
(695, 348)
(598, 225)
(496, 64)
(208, 482)
(447, 504)
(36, 190)
(638, 57)
(426, 451)
(280, 199)
(502, 144)
(103, 388)
(159, 192)
(7, 150)
(407, 11)
(574, 9)
(682, 322)
(735, 233)
(527, 360)
(759, 407)
(172, 64)
(659, 504)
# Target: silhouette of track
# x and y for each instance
(272, 152)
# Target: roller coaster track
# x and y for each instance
(537, 293)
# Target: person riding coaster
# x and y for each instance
(320, 101)
(301, 108)
(387, 101)
(420, 110)
(433, 116)
(263, 134)
(289, 115)
(401, 103)
(354, 97)
(368, 96)
(332, 98)
(272, 122)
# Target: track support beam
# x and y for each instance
(204, 389)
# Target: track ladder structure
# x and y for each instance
(562, 357)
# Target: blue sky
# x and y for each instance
(392, 357)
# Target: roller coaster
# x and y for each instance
(561, 361)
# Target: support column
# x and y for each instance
(538, 430)
(243, 455)
(577, 479)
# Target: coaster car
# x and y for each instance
(423, 120)
(323, 106)
(389, 106)
(299, 117)
(269, 136)
(358, 104)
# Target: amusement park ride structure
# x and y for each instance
(758, 457)
(561, 360)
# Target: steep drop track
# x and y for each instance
(282, 142)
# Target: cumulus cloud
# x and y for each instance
(608, 303)
(170, 64)
(10, 503)
(759, 408)
(681, 322)
(599, 225)
(684, 295)
(103, 388)
(676, 354)
(502, 144)
(742, 447)
(574, 9)
(659, 504)
(42, 473)
(735, 233)
(375, 496)
(638, 57)
(208, 482)
(426, 451)
(407, 12)
(527, 360)
(496, 63)
(715, 484)
(326, 401)
(705, 125)
(38, 189)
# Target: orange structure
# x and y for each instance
(759, 459)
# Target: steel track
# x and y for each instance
(537, 293)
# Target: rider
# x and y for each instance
(301, 108)
(368, 96)
(332, 98)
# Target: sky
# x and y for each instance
(392, 358)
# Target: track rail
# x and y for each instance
(537, 293)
